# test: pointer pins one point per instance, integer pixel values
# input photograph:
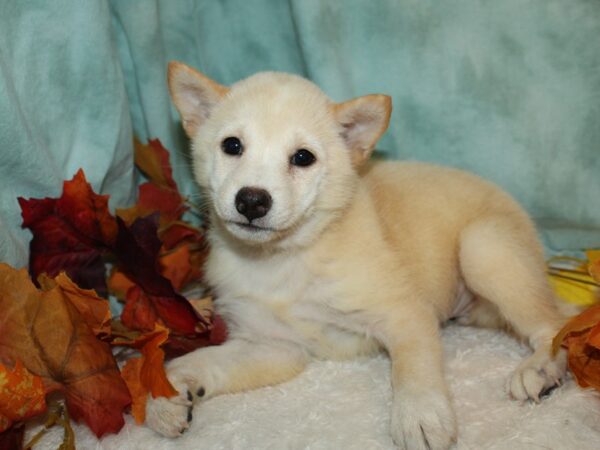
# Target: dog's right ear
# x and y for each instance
(193, 94)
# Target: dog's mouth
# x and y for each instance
(251, 227)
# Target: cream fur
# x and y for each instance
(351, 258)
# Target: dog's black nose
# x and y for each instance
(253, 202)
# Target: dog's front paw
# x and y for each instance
(423, 421)
(537, 375)
(171, 417)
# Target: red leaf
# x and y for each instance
(180, 232)
(168, 202)
(161, 193)
(70, 234)
(12, 439)
(137, 249)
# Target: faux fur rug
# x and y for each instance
(345, 405)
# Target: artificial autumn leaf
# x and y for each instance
(151, 199)
(178, 232)
(131, 373)
(160, 194)
(146, 375)
(22, 395)
(12, 439)
(580, 323)
(584, 360)
(155, 300)
(70, 234)
(94, 310)
(581, 337)
(177, 267)
(594, 264)
(48, 334)
(153, 160)
(180, 266)
(118, 284)
(168, 202)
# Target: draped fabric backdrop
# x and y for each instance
(509, 90)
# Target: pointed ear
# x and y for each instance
(193, 94)
(364, 120)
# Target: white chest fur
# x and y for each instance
(281, 297)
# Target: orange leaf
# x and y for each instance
(119, 284)
(584, 361)
(176, 266)
(584, 321)
(22, 395)
(153, 375)
(594, 264)
(93, 309)
(139, 395)
(593, 338)
(153, 160)
(50, 336)
(147, 374)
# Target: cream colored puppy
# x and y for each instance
(317, 253)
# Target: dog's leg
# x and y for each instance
(422, 414)
(235, 366)
(503, 263)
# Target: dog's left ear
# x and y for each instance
(194, 95)
(363, 120)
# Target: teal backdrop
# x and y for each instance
(508, 89)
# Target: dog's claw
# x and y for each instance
(546, 392)
(189, 414)
(189, 396)
(200, 392)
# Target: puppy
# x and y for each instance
(318, 253)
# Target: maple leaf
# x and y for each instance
(594, 264)
(177, 233)
(94, 310)
(48, 334)
(179, 267)
(154, 299)
(581, 337)
(153, 160)
(161, 193)
(146, 375)
(70, 233)
(12, 439)
(22, 395)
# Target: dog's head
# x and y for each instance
(276, 157)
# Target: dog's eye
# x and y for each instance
(302, 158)
(232, 146)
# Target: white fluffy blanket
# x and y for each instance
(345, 405)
